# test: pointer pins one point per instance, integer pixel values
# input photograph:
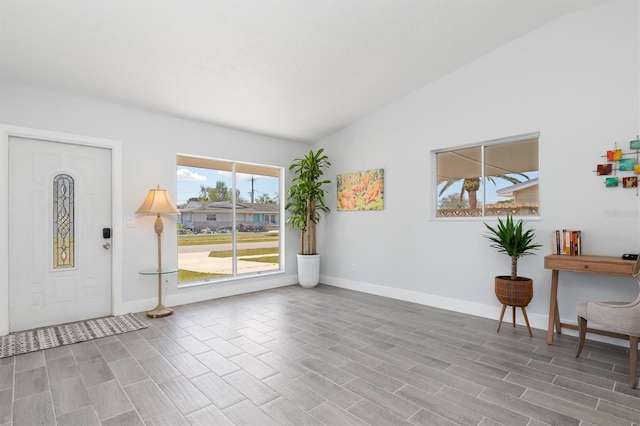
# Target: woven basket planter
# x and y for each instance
(514, 293)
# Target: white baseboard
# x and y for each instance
(209, 291)
(537, 321)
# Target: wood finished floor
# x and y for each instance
(322, 356)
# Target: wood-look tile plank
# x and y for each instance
(166, 346)
(95, 371)
(85, 351)
(558, 392)
(188, 365)
(113, 351)
(599, 378)
(527, 408)
(69, 395)
(109, 399)
(140, 349)
(6, 376)
(62, 368)
(520, 369)
(487, 381)
(85, 416)
(604, 394)
(328, 390)
(393, 403)
(209, 416)
(128, 371)
(247, 414)
(428, 418)
(217, 390)
(491, 411)
(630, 414)
(130, 418)
(294, 391)
(448, 410)
(159, 368)
(421, 382)
(169, 418)
(223, 347)
(573, 410)
(249, 346)
(6, 406)
(374, 414)
(148, 399)
(34, 410)
(336, 375)
(330, 414)
(31, 382)
(256, 391)
(217, 363)
(29, 361)
(192, 345)
(184, 395)
(282, 365)
(284, 412)
(253, 366)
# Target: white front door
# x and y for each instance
(59, 259)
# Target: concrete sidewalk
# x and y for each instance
(201, 262)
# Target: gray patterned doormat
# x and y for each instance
(66, 334)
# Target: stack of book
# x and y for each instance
(565, 241)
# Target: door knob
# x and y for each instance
(106, 246)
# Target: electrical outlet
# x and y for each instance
(353, 267)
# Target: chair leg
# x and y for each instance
(526, 320)
(633, 359)
(501, 316)
(513, 310)
(582, 333)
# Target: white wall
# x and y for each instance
(150, 143)
(575, 81)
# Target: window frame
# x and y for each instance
(484, 144)
(235, 167)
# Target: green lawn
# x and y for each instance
(196, 240)
(265, 259)
(186, 275)
(245, 252)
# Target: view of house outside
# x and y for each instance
(217, 239)
(490, 179)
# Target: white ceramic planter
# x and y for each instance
(308, 270)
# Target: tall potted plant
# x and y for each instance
(511, 238)
(305, 202)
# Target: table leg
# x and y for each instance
(554, 316)
(557, 317)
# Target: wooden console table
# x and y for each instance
(605, 265)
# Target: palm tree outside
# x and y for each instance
(472, 185)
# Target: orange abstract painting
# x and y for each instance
(361, 190)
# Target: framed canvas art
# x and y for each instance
(361, 190)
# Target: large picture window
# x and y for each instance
(489, 179)
(230, 223)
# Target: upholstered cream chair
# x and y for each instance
(617, 317)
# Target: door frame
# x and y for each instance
(7, 131)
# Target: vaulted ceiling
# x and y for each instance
(296, 69)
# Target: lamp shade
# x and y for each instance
(157, 201)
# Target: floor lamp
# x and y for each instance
(157, 202)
